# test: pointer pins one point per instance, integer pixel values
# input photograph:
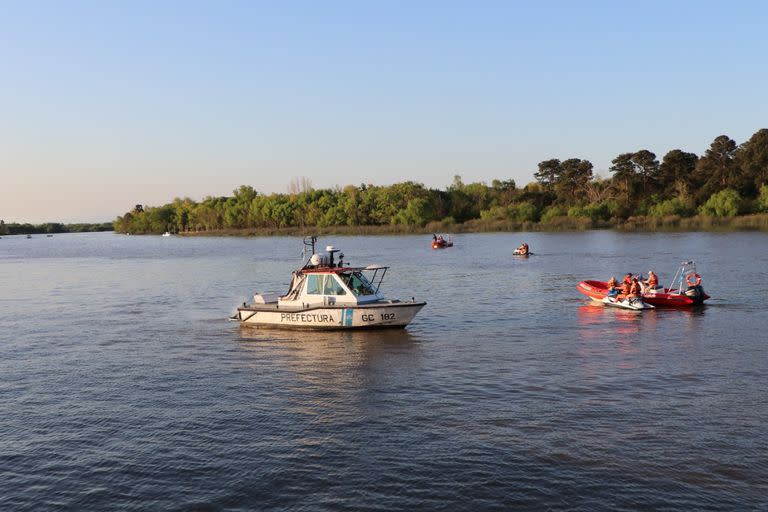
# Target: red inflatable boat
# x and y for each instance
(686, 279)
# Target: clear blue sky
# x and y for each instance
(106, 104)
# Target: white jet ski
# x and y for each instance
(636, 304)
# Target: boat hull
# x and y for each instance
(330, 317)
(598, 290)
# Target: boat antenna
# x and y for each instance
(309, 241)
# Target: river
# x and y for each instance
(123, 386)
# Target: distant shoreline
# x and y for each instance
(51, 228)
(757, 222)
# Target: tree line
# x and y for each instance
(15, 228)
(729, 179)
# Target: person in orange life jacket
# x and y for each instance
(634, 289)
(625, 287)
(653, 280)
(626, 283)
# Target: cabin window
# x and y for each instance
(333, 287)
(358, 284)
(322, 284)
(315, 284)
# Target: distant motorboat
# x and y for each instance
(167, 233)
(29, 236)
(442, 241)
(523, 250)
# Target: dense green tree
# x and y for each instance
(571, 184)
(676, 173)
(762, 199)
(647, 169)
(549, 173)
(726, 203)
(752, 158)
(674, 206)
(624, 174)
(718, 169)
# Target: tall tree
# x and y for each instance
(646, 168)
(717, 169)
(549, 173)
(574, 176)
(752, 158)
(676, 173)
(624, 174)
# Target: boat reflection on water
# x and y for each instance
(331, 359)
(619, 321)
(330, 378)
(598, 321)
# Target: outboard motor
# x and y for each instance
(696, 292)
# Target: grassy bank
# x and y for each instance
(672, 223)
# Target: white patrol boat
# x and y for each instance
(327, 295)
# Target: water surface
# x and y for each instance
(124, 387)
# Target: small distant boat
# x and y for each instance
(29, 236)
(684, 291)
(167, 233)
(442, 241)
(523, 250)
(326, 295)
(48, 236)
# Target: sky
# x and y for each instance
(106, 104)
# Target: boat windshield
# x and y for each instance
(358, 283)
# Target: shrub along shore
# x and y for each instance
(726, 188)
(671, 223)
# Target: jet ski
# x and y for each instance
(635, 304)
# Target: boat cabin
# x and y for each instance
(323, 281)
(343, 286)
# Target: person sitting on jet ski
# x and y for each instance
(634, 289)
(523, 249)
(625, 288)
(613, 287)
